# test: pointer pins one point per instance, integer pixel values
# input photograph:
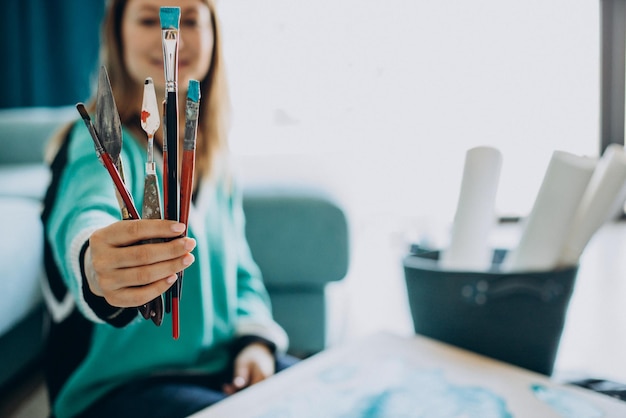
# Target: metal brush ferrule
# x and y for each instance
(170, 57)
(191, 124)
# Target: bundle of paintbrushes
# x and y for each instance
(107, 136)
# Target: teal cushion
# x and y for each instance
(298, 237)
(303, 316)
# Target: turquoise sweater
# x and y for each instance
(223, 295)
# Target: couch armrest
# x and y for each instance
(298, 236)
(26, 181)
(24, 132)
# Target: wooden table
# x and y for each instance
(389, 376)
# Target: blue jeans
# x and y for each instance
(167, 396)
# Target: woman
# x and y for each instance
(103, 358)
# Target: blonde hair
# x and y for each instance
(214, 106)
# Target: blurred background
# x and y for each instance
(396, 91)
(378, 101)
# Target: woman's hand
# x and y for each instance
(253, 364)
(129, 275)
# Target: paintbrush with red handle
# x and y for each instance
(186, 185)
(108, 163)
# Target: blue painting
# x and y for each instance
(388, 389)
(565, 403)
(393, 377)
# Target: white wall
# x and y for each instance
(383, 98)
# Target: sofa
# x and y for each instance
(298, 236)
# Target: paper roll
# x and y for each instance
(604, 192)
(475, 213)
(551, 217)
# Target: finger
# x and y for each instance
(238, 384)
(241, 376)
(111, 258)
(137, 296)
(256, 375)
(145, 275)
(128, 232)
(151, 253)
(228, 389)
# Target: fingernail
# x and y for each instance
(178, 227)
(171, 279)
(188, 259)
(190, 244)
(239, 381)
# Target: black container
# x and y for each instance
(514, 317)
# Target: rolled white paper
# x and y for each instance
(604, 192)
(475, 213)
(550, 219)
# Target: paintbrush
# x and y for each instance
(188, 166)
(151, 207)
(189, 148)
(107, 161)
(168, 293)
(170, 19)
